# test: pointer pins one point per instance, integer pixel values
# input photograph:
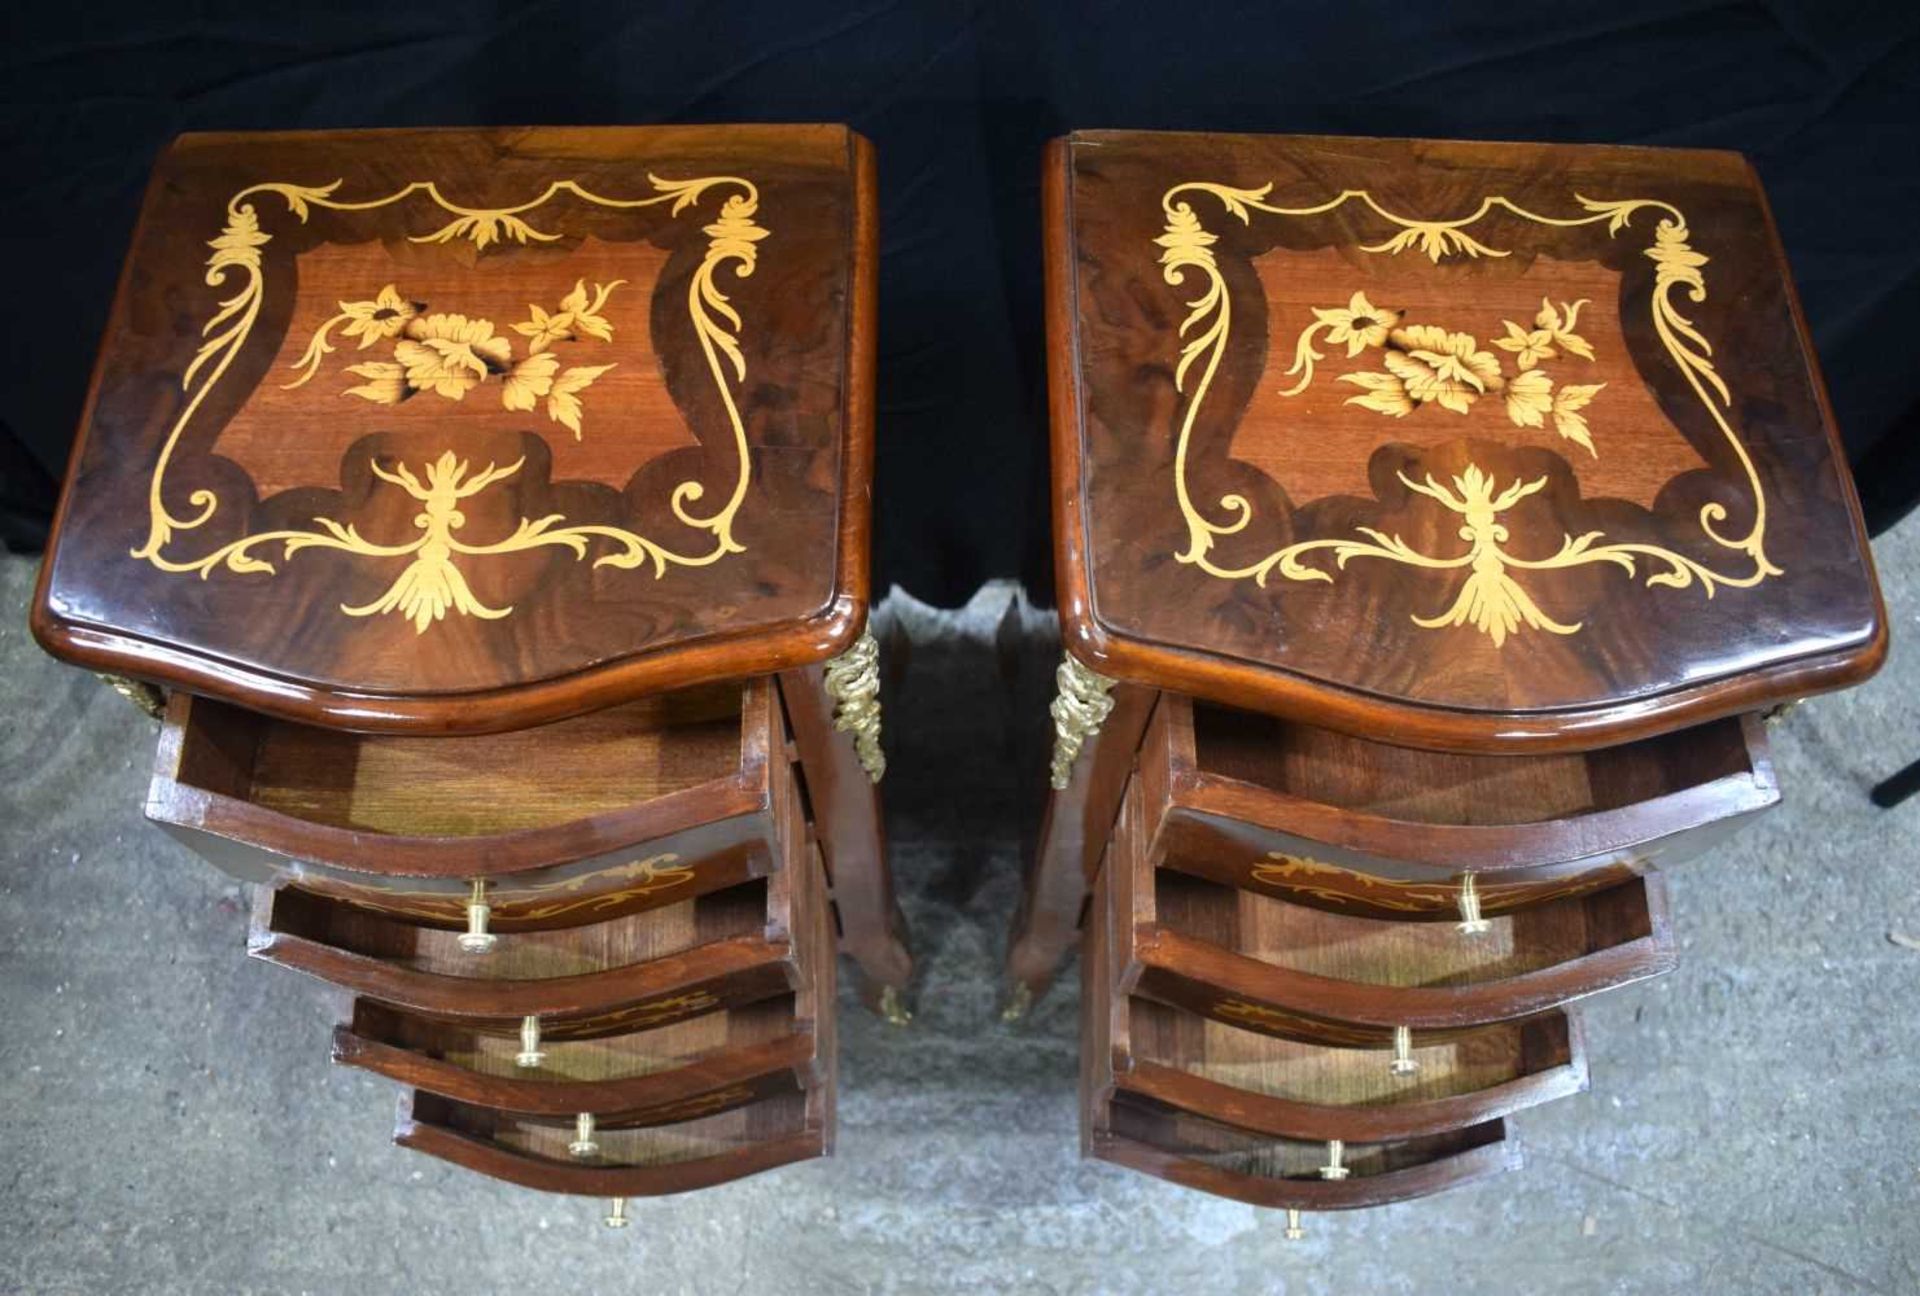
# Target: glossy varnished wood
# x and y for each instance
(1330, 637)
(747, 1053)
(1266, 964)
(1286, 1088)
(844, 806)
(1266, 1152)
(643, 968)
(1368, 828)
(785, 232)
(1074, 832)
(674, 1157)
(716, 1058)
(639, 805)
(705, 1135)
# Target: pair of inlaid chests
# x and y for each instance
(485, 515)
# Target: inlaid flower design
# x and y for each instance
(1360, 325)
(1428, 364)
(450, 355)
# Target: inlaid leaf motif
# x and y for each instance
(577, 317)
(1567, 420)
(1385, 393)
(563, 402)
(529, 380)
(386, 382)
(1529, 398)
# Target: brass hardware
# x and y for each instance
(894, 1008)
(853, 682)
(583, 1145)
(1294, 1232)
(1471, 923)
(1019, 1002)
(1079, 710)
(530, 1054)
(151, 701)
(1403, 1063)
(1334, 1169)
(616, 1216)
(476, 939)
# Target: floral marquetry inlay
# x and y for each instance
(1404, 363)
(450, 355)
(407, 349)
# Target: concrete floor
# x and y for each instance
(169, 1121)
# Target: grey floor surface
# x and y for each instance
(169, 1121)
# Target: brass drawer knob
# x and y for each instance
(583, 1145)
(616, 1216)
(1471, 923)
(476, 939)
(530, 1054)
(1335, 1168)
(1294, 1232)
(1403, 1063)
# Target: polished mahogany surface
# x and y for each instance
(1464, 445)
(468, 430)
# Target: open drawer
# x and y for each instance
(1343, 823)
(727, 1057)
(646, 968)
(1287, 1088)
(638, 805)
(1264, 964)
(723, 1056)
(695, 1147)
(1153, 1138)
(1164, 1136)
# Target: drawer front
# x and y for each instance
(704, 812)
(709, 858)
(1256, 858)
(1283, 1081)
(1311, 973)
(1363, 826)
(678, 1153)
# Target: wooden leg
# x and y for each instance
(846, 815)
(1073, 834)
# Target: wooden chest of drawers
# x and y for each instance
(493, 506)
(1434, 522)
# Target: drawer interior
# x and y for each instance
(701, 1136)
(1375, 951)
(530, 955)
(626, 1056)
(467, 786)
(1462, 1062)
(1177, 1133)
(1401, 783)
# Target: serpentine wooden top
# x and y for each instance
(465, 430)
(1472, 446)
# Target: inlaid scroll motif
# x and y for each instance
(1426, 364)
(449, 354)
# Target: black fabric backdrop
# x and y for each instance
(1823, 94)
